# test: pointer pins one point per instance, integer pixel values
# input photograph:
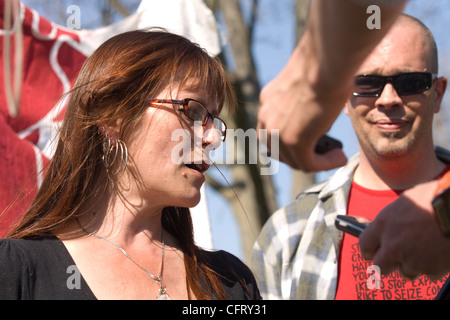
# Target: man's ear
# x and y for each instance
(440, 87)
(346, 107)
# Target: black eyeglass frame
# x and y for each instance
(185, 103)
(393, 80)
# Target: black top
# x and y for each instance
(42, 269)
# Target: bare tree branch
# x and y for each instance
(119, 7)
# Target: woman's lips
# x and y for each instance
(198, 170)
(200, 167)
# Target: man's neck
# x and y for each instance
(397, 173)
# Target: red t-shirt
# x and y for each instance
(356, 276)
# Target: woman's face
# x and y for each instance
(169, 154)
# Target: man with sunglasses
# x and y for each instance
(300, 254)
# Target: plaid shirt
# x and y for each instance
(296, 253)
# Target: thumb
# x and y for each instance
(369, 241)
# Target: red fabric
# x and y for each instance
(353, 269)
(444, 183)
(42, 86)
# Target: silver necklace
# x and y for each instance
(162, 289)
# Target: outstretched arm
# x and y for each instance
(304, 100)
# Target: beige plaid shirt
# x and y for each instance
(296, 254)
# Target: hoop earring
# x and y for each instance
(112, 148)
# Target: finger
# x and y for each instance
(386, 263)
(407, 273)
(327, 161)
(308, 161)
(369, 241)
(363, 220)
(407, 277)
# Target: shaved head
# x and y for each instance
(405, 20)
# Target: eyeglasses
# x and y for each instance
(405, 84)
(195, 111)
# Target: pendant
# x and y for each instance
(162, 292)
(163, 296)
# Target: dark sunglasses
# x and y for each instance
(405, 84)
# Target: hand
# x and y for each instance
(292, 104)
(405, 235)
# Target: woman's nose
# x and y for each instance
(211, 135)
